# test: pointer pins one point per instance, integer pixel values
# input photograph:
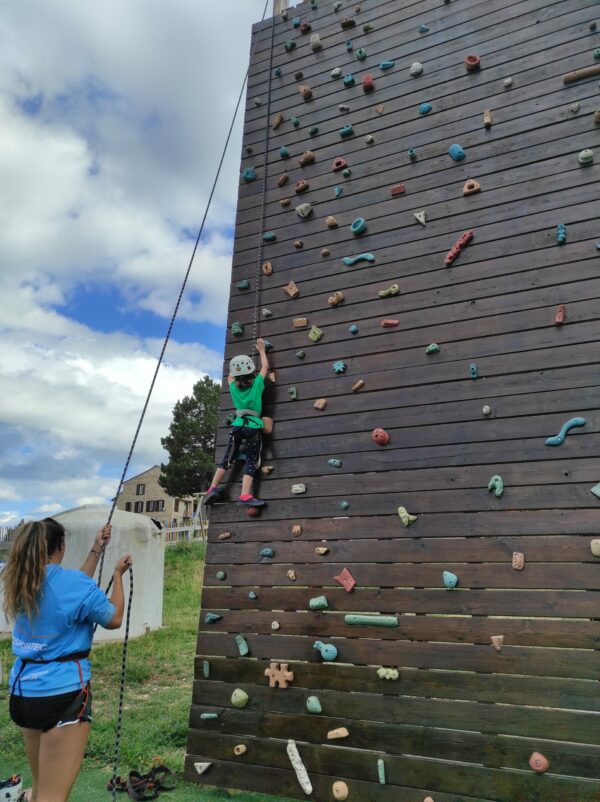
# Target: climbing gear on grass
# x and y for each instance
(143, 786)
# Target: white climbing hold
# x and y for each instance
(416, 68)
(421, 217)
(487, 410)
(202, 767)
(299, 767)
(497, 642)
(298, 489)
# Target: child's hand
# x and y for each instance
(260, 344)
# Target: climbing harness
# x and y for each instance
(144, 786)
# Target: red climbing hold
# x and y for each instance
(380, 436)
(305, 27)
(472, 62)
(561, 314)
(397, 189)
(338, 164)
(460, 243)
(252, 512)
(346, 580)
(368, 84)
(539, 763)
(389, 324)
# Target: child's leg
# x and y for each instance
(247, 485)
(253, 454)
(218, 477)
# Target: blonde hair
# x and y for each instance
(25, 569)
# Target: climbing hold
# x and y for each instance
(304, 210)
(338, 164)
(276, 121)
(314, 5)
(405, 516)
(336, 298)
(301, 186)
(350, 261)
(559, 438)
(253, 512)
(289, 44)
(393, 290)
(298, 489)
(284, 152)
(337, 5)
(336, 72)
(293, 393)
(267, 469)
(425, 108)
(346, 131)
(380, 436)
(339, 367)
(305, 91)
(421, 217)
(497, 642)
(423, 28)
(368, 83)
(327, 651)
(347, 22)
(300, 354)
(277, 72)
(358, 386)
(388, 673)
(267, 552)
(315, 334)
(358, 226)
(320, 404)
(472, 62)
(291, 289)
(389, 323)
(240, 749)
(313, 705)
(349, 80)
(473, 374)
(561, 234)
(586, 157)
(313, 130)
(325, 252)
(298, 244)
(593, 26)
(508, 82)
(574, 108)
(298, 76)
(284, 15)
(596, 490)
(315, 42)
(347, 172)
(283, 179)
(381, 771)
(397, 189)
(291, 575)
(269, 236)
(279, 675)
(224, 535)
(371, 620)
(361, 54)
(450, 579)
(258, 101)
(368, 27)
(346, 580)
(202, 767)
(349, 45)
(237, 329)
(243, 285)
(486, 410)
(331, 222)
(456, 152)
(252, 595)
(597, 116)
(266, 312)
(318, 603)
(412, 154)
(249, 174)
(387, 65)
(299, 767)
(344, 505)
(249, 149)
(344, 107)
(267, 268)
(242, 645)
(221, 575)
(518, 560)
(595, 547)
(212, 618)
(487, 119)
(268, 345)
(433, 348)
(471, 187)
(296, 22)
(497, 485)
(339, 732)
(416, 68)
(206, 669)
(307, 157)
(380, 108)
(458, 246)
(539, 763)
(239, 698)
(300, 322)
(561, 313)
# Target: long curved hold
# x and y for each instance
(559, 438)
(362, 257)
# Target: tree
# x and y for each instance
(191, 441)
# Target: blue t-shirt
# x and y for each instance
(71, 603)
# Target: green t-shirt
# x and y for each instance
(248, 399)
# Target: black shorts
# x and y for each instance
(46, 712)
(246, 441)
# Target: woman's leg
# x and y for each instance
(32, 748)
(60, 757)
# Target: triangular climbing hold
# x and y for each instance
(202, 767)
(471, 187)
(421, 217)
(380, 109)
(338, 164)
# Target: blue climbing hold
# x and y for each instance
(284, 152)
(296, 22)
(412, 154)
(423, 28)
(561, 233)
(349, 80)
(362, 257)
(268, 552)
(269, 236)
(277, 72)
(344, 505)
(212, 618)
(456, 152)
(327, 650)
(268, 345)
(252, 595)
(387, 65)
(295, 123)
(244, 284)
(334, 463)
(346, 131)
(559, 438)
(338, 191)
(339, 367)
(473, 371)
(450, 580)
(353, 329)
(425, 108)
(359, 226)
(249, 174)
(349, 45)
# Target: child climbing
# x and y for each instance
(246, 388)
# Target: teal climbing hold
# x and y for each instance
(318, 603)
(372, 620)
(339, 367)
(293, 393)
(237, 329)
(313, 705)
(423, 28)
(450, 580)
(346, 172)
(284, 152)
(412, 154)
(387, 65)
(277, 72)
(361, 54)
(344, 505)
(268, 345)
(349, 80)
(243, 285)
(327, 650)
(381, 771)
(252, 595)
(289, 45)
(358, 226)
(334, 463)
(313, 4)
(221, 575)
(434, 348)
(295, 123)
(313, 130)
(425, 108)
(597, 53)
(212, 618)
(249, 174)
(346, 131)
(456, 152)
(206, 669)
(353, 329)
(337, 5)
(208, 716)
(473, 374)
(269, 236)
(497, 485)
(596, 490)
(300, 354)
(296, 21)
(561, 233)
(338, 191)
(349, 45)
(267, 552)
(559, 438)
(242, 645)
(362, 257)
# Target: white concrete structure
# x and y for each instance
(131, 534)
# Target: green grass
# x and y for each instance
(157, 697)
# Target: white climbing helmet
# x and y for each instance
(241, 366)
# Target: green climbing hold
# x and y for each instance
(381, 771)
(372, 620)
(313, 4)
(334, 463)
(597, 53)
(221, 575)
(358, 226)
(361, 54)
(212, 618)
(368, 27)
(237, 329)
(295, 123)
(423, 28)
(293, 393)
(205, 669)
(346, 172)
(497, 485)
(313, 130)
(434, 348)
(242, 645)
(344, 505)
(393, 290)
(267, 552)
(412, 154)
(243, 285)
(315, 334)
(296, 22)
(277, 72)
(318, 603)
(239, 698)
(313, 705)
(289, 45)
(300, 354)
(252, 595)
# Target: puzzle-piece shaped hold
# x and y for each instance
(346, 580)
(279, 675)
(458, 246)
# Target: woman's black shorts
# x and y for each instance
(46, 712)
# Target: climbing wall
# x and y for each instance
(467, 659)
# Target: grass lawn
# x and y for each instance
(157, 696)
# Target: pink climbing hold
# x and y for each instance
(338, 164)
(561, 314)
(397, 189)
(368, 84)
(460, 243)
(345, 579)
(389, 324)
(380, 436)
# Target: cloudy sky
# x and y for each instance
(112, 116)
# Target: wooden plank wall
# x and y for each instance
(462, 720)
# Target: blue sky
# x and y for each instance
(110, 140)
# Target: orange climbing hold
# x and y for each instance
(460, 243)
(291, 289)
(307, 157)
(278, 675)
(471, 187)
(397, 189)
(305, 91)
(539, 763)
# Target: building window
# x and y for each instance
(128, 506)
(140, 489)
(176, 507)
(139, 506)
(159, 505)
(150, 506)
